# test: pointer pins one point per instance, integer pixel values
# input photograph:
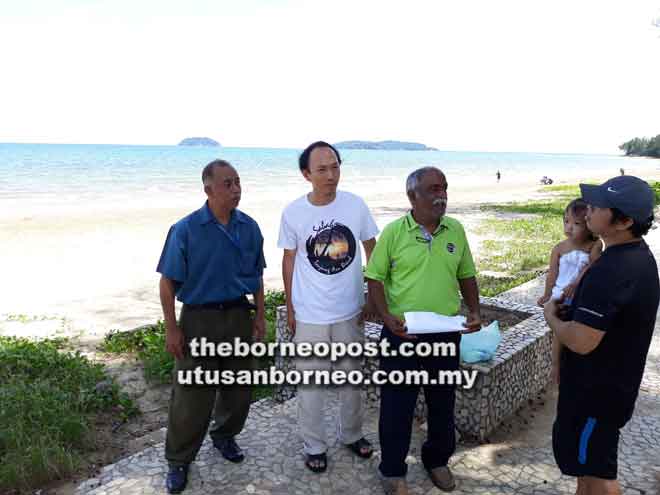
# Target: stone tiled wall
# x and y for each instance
(519, 370)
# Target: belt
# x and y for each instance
(241, 302)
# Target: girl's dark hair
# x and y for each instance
(638, 229)
(578, 207)
(303, 160)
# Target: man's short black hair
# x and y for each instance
(638, 229)
(303, 160)
(207, 173)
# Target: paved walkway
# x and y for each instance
(518, 459)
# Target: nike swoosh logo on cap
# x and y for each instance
(612, 190)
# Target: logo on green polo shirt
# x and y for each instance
(331, 249)
(451, 247)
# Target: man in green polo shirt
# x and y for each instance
(420, 263)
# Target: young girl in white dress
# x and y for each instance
(569, 260)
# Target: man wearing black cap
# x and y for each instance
(606, 334)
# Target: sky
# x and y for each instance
(482, 75)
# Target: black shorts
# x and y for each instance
(585, 446)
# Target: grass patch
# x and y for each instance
(572, 190)
(23, 318)
(519, 248)
(551, 207)
(48, 397)
(560, 196)
(490, 286)
(149, 344)
(539, 229)
(540, 207)
(513, 257)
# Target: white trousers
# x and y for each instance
(311, 398)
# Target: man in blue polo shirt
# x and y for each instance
(212, 258)
(606, 335)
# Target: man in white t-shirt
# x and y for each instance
(321, 233)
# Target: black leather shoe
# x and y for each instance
(177, 478)
(229, 449)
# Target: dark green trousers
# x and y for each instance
(192, 406)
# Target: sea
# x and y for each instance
(61, 174)
(89, 221)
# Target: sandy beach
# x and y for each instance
(90, 267)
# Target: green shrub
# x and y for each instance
(519, 248)
(656, 189)
(273, 299)
(47, 399)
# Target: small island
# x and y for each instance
(642, 147)
(383, 145)
(199, 141)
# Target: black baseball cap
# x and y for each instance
(631, 195)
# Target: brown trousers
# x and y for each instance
(192, 406)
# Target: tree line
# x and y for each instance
(642, 147)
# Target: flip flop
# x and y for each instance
(359, 445)
(322, 462)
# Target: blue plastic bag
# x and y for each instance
(481, 345)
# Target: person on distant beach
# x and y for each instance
(498, 175)
(320, 234)
(212, 258)
(420, 263)
(623, 172)
(569, 259)
(606, 333)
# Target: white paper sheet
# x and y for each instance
(428, 322)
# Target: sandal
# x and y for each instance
(360, 445)
(317, 463)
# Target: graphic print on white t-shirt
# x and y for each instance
(327, 284)
(331, 247)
